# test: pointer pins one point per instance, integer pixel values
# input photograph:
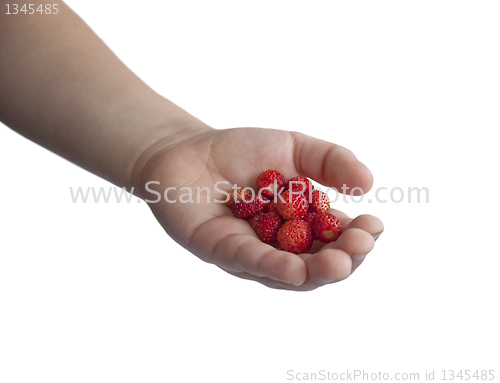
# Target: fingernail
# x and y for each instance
(358, 257)
(375, 236)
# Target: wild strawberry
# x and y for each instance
(243, 209)
(326, 227)
(239, 192)
(271, 207)
(270, 182)
(266, 226)
(295, 236)
(319, 202)
(254, 219)
(309, 217)
(308, 198)
(295, 209)
(299, 184)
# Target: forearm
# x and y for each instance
(61, 87)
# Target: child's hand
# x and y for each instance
(210, 231)
(80, 101)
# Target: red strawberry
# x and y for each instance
(254, 219)
(326, 227)
(271, 206)
(299, 184)
(242, 209)
(309, 217)
(319, 202)
(239, 192)
(308, 196)
(266, 226)
(295, 209)
(295, 236)
(270, 182)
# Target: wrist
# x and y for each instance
(162, 136)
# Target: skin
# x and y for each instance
(79, 101)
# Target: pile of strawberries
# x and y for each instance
(291, 213)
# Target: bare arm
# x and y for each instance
(63, 88)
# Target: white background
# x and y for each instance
(99, 293)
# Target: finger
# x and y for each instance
(233, 244)
(242, 252)
(328, 266)
(370, 224)
(356, 242)
(272, 283)
(366, 222)
(329, 164)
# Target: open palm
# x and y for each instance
(236, 156)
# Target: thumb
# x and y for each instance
(329, 164)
